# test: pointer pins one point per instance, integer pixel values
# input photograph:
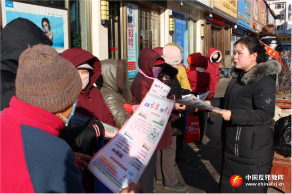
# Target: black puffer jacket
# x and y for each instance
(248, 138)
(16, 36)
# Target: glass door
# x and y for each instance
(149, 29)
(182, 37)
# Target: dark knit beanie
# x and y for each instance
(46, 80)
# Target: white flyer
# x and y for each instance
(159, 89)
(125, 157)
(192, 100)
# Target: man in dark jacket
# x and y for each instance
(16, 36)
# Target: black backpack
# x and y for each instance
(282, 136)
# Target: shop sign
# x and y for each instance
(263, 16)
(285, 38)
(227, 6)
(132, 40)
(186, 11)
(215, 21)
(243, 18)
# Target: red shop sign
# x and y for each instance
(217, 21)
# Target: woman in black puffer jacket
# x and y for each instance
(248, 111)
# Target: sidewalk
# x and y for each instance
(200, 164)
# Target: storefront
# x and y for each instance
(244, 22)
(219, 29)
(187, 27)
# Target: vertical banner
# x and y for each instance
(255, 10)
(132, 40)
(53, 21)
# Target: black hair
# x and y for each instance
(227, 52)
(48, 22)
(254, 45)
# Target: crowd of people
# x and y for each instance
(42, 150)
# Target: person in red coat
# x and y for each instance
(90, 101)
(200, 83)
(199, 79)
(214, 57)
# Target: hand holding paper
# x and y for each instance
(132, 188)
(226, 114)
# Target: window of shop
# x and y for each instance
(289, 27)
(280, 27)
(280, 17)
(149, 28)
(279, 5)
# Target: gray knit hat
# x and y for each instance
(46, 80)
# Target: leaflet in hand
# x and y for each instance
(192, 100)
(125, 157)
(205, 95)
(159, 89)
(109, 131)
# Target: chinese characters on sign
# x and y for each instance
(131, 40)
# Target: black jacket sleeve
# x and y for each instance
(83, 137)
(7, 88)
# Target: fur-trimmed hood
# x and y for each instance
(257, 72)
(169, 70)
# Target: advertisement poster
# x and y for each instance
(53, 21)
(125, 157)
(132, 40)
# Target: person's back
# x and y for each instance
(33, 157)
(115, 90)
(199, 79)
(15, 37)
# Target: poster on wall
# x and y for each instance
(255, 10)
(132, 40)
(53, 21)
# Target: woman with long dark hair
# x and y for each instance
(248, 108)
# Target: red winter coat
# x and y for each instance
(213, 69)
(141, 85)
(200, 81)
(90, 101)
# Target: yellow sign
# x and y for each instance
(285, 38)
(227, 6)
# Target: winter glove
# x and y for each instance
(93, 133)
